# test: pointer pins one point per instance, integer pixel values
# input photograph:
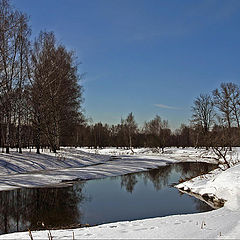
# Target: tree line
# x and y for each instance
(214, 123)
(40, 94)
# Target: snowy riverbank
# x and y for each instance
(32, 170)
(221, 223)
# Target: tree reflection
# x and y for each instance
(201, 206)
(129, 181)
(159, 177)
(190, 170)
(40, 208)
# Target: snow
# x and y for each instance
(221, 184)
(87, 164)
(33, 170)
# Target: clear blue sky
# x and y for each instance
(145, 56)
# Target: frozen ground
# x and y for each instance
(221, 223)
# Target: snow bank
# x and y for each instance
(221, 184)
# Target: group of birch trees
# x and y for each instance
(40, 97)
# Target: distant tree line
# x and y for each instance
(214, 123)
(155, 133)
(40, 95)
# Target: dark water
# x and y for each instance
(132, 196)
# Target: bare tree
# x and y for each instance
(13, 34)
(56, 94)
(234, 92)
(131, 127)
(158, 132)
(203, 114)
(222, 100)
(22, 78)
(220, 143)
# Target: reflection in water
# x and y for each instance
(201, 206)
(99, 201)
(193, 169)
(129, 181)
(160, 176)
(39, 208)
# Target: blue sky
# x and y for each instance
(144, 56)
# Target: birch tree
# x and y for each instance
(56, 94)
(131, 128)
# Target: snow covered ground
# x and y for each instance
(32, 170)
(221, 223)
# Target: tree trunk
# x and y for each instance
(19, 133)
(229, 133)
(38, 140)
(8, 135)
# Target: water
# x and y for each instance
(129, 197)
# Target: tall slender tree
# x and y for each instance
(131, 128)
